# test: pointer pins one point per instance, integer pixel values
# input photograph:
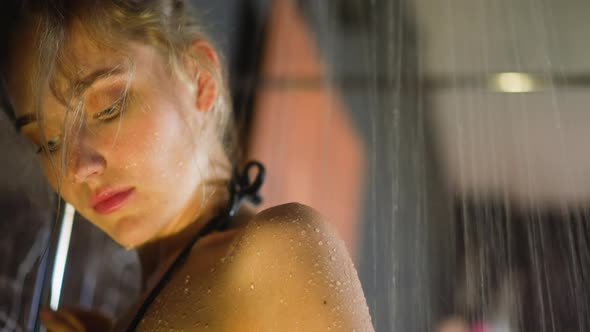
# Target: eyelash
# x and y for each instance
(116, 110)
(48, 147)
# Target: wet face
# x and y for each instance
(134, 157)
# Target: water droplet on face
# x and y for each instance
(208, 290)
(317, 230)
(332, 258)
(186, 291)
(303, 232)
(321, 243)
(252, 285)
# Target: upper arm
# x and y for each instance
(293, 273)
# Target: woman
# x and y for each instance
(126, 105)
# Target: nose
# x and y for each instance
(85, 162)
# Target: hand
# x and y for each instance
(75, 320)
(453, 324)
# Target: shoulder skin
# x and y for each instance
(291, 272)
(285, 270)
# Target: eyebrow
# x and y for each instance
(101, 73)
(84, 83)
(24, 120)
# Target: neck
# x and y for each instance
(209, 198)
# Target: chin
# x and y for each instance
(130, 233)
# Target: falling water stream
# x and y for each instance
(466, 124)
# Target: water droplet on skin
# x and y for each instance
(208, 290)
(186, 291)
(317, 230)
(251, 285)
(338, 283)
(303, 232)
(321, 243)
(332, 258)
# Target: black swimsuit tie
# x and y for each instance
(240, 188)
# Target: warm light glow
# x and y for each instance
(61, 255)
(513, 82)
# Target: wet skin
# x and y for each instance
(283, 269)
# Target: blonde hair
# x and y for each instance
(170, 26)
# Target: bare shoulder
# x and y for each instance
(297, 275)
(291, 220)
(293, 232)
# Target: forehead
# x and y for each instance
(80, 55)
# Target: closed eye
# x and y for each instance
(111, 112)
(51, 146)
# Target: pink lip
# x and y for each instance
(105, 201)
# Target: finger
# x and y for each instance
(453, 325)
(60, 321)
(92, 320)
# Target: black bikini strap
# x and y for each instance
(240, 188)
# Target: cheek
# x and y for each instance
(151, 144)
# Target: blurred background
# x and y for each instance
(445, 140)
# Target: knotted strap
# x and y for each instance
(240, 187)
